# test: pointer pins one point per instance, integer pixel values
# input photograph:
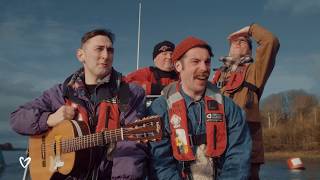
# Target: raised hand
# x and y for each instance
(242, 32)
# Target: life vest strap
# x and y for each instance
(198, 139)
(248, 85)
(220, 84)
(252, 87)
(186, 171)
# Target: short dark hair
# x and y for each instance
(96, 32)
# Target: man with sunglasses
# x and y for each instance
(243, 79)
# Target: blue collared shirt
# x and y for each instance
(235, 162)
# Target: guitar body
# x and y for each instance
(48, 162)
(66, 149)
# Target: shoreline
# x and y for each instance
(290, 154)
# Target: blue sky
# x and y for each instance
(38, 38)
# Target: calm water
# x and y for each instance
(272, 170)
(277, 170)
(13, 170)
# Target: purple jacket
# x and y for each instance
(129, 158)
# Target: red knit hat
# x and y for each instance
(187, 44)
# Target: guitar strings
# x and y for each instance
(89, 137)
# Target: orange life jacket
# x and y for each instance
(235, 81)
(109, 107)
(161, 79)
(216, 132)
(108, 112)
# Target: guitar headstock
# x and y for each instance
(146, 129)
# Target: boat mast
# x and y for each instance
(139, 25)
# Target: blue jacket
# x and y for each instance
(235, 162)
(129, 158)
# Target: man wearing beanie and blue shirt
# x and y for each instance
(154, 79)
(205, 135)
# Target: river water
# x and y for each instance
(278, 170)
(272, 170)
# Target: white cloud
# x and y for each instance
(31, 59)
(295, 72)
(278, 84)
(294, 6)
(304, 65)
(18, 32)
(29, 75)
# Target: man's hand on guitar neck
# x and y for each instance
(63, 113)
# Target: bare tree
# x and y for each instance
(292, 121)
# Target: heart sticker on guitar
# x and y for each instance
(24, 161)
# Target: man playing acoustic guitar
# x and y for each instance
(97, 95)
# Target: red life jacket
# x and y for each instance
(108, 112)
(234, 81)
(216, 131)
(161, 79)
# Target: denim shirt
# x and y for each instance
(234, 163)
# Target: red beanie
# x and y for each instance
(187, 44)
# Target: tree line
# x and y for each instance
(291, 121)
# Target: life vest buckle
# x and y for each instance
(220, 84)
(191, 140)
(198, 139)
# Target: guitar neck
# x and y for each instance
(92, 140)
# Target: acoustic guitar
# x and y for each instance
(65, 149)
